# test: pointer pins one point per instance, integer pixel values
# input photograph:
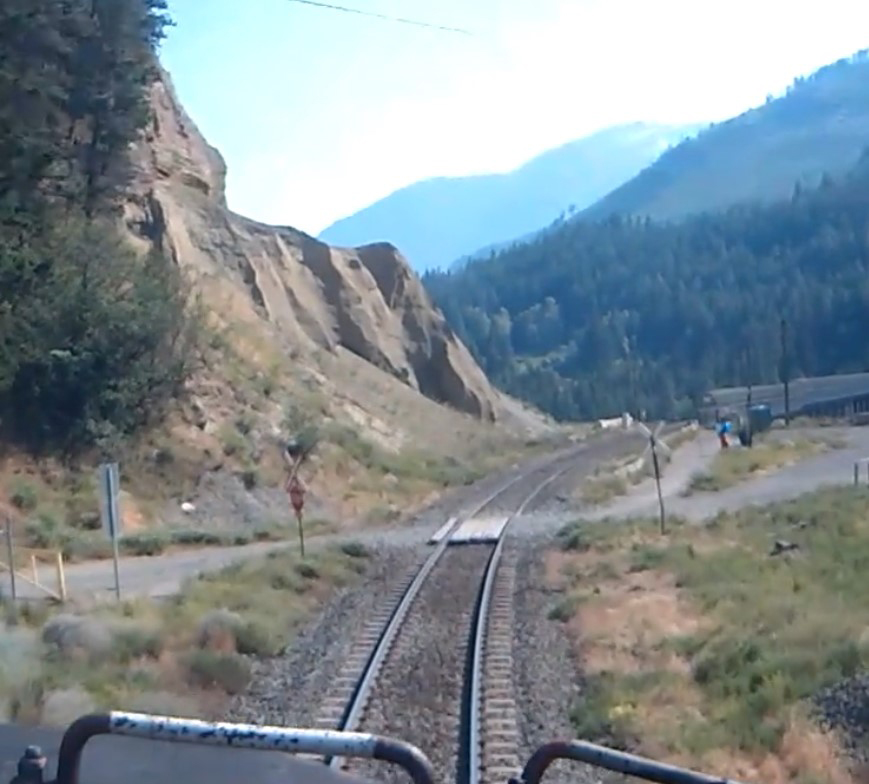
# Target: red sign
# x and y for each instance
(297, 494)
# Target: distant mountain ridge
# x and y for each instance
(820, 125)
(594, 317)
(439, 220)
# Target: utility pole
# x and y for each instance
(748, 433)
(10, 554)
(657, 467)
(785, 370)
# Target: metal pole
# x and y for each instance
(658, 484)
(748, 432)
(786, 370)
(11, 555)
(115, 557)
(113, 525)
(61, 576)
(301, 533)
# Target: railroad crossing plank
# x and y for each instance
(479, 529)
(442, 531)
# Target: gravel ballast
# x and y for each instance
(288, 690)
(844, 708)
(545, 670)
(418, 694)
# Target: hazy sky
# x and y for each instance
(319, 113)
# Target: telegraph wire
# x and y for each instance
(415, 22)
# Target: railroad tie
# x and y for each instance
(500, 737)
(343, 685)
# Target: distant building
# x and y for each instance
(831, 396)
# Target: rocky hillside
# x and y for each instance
(296, 331)
(366, 300)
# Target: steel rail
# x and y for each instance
(476, 674)
(359, 701)
(365, 686)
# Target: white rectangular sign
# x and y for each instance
(109, 485)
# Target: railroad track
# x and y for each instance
(434, 664)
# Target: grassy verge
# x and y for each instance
(703, 647)
(737, 465)
(600, 489)
(682, 437)
(186, 655)
(615, 479)
(42, 533)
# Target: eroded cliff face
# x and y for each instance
(314, 296)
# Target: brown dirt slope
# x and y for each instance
(297, 331)
(366, 300)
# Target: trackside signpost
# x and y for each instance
(296, 451)
(110, 513)
(296, 491)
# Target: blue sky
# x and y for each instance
(319, 113)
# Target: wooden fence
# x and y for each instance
(32, 566)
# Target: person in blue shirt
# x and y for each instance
(724, 427)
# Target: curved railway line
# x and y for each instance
(434, 665)
(433, 671)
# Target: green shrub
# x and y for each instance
(102, 339)
(355, 549)
(24, 496)
(144, 544)
(564, 610)
(307, 570)
(228, 671)
(249, 478)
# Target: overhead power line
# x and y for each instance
(414, 22)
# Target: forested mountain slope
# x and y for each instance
(820, 125)
(594, 318)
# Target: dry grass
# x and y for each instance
(188, 653)
(701, 648)
(601, 489)
(739, 464)
(385, 451)
(615, 479)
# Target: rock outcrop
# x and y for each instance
(314, 296)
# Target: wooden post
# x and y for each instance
(11, 555)
(658, 484)
(61, 576)
(35, 570)
(856, 474)
(301, 533)
(786, 372)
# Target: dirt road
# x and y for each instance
(158, 576)
(835, 467)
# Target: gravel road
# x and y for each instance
(160, 576)
(831, 468)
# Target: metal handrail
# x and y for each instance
(610, 759)
(248, 736)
